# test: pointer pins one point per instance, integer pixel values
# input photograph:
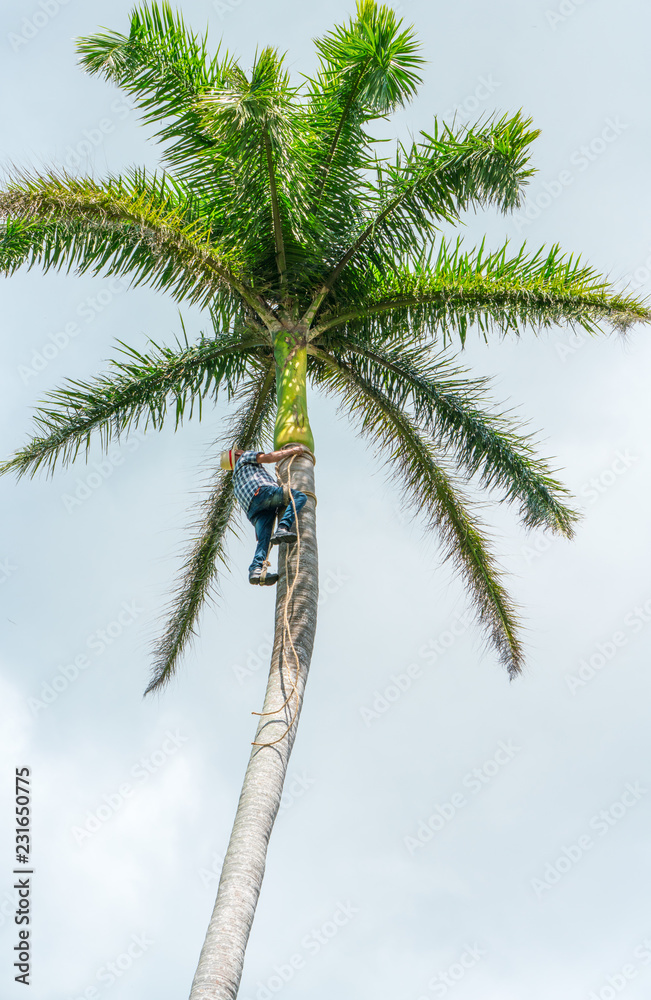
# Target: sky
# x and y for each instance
(443, 830)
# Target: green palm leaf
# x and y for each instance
(138, 225)
(368, 67)
(136, 391)
(165, 67)
(461, 421)
(422, 302)
(254, 123)
(434, 183)
(429, 488)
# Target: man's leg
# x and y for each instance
(300, 499)
(286, 530)
(261, 514)
(263, 522)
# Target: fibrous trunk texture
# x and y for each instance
(222, 956)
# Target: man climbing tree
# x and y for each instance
(261, 498)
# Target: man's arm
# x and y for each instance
(276, 456)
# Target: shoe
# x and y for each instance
(256, 578)
(283, 535)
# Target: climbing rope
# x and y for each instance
(287, 498)
(287, 634)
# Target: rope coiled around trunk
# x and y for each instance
(289, 592)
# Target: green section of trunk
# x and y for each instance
(292, 421)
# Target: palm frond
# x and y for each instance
(432, 491)
(434, 182)
(227, 135)
(249, 426)
(253, 124)
(421, 300)
(139, 225)
(367, 69)
(460, 418)
(369, 61)
(136, 391)
(165, 68)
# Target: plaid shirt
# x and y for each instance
(249, 476)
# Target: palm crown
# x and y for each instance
(316, 259)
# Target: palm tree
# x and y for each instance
(315, 258)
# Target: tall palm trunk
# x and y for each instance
(222, 956)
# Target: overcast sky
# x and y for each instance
(459, 833)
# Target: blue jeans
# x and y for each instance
(262, 514)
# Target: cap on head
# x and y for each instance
(227, 460)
